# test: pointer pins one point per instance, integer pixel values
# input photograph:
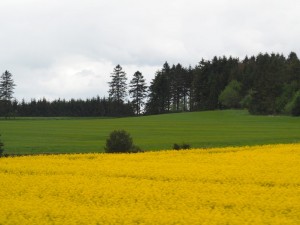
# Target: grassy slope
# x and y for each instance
(200, 129)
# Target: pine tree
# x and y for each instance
(160, 92)
(6, 93)
(6, 86)
(200, 85)
(118, 86)
(138, 91)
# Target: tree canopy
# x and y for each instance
(264, 84)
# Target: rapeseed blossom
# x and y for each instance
(236, 185)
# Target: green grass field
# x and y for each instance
(199, 129)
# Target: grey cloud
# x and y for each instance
(50, 43)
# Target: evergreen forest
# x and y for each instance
(266, 84)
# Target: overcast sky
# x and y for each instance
(68, 48)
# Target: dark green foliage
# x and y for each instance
(210, 79)
(181, 146)
(160, 92)
(136, 149)
(6, 94)
(138, 91)
(6, 86)
(269, 80)
(295, 109)
(283, 102)
(293, 69)
(263, 84)
(1, 147)
(94, 107)
(179, 88)
(245, 102)
(117, 85)
(176, 146)
(230, 96)
(200, 86)
(185, 146)
(120, 141)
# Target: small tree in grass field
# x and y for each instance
(1, 147)
(120, 141)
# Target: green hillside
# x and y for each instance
(199, 129)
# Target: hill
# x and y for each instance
(199, 129)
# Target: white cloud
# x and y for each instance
(72, 77)
(68, 48)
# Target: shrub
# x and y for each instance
(246, 101)
(182, 146)
(185, 146)
(230, 96)
(136, 149)
(296, 106)
(120, 141)
(176, 146)
(1, 147)
(293, 107)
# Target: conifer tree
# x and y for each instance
(6, 93)
(6, 86)
(118, 86)
(138, 91)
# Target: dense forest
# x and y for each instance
(267, 84)
(93, 107)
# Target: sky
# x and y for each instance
(69, 48)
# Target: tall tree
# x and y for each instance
(176, 85)
(118, 86)
(268, 84)
(138, 91)
(293, 69)
(160, 92)
(187, 88)
(200, 85)
(7, 86)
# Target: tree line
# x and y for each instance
(267, 84)
(93, 107)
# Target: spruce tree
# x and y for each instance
(118, 86)
(160, 92)
(6, 86)
(6, 93)
(138, 91)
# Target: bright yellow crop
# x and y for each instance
(247, 185)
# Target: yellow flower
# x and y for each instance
(236, 185)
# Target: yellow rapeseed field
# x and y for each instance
(246, 185)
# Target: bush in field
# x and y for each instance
(136, 149)
(176, 146)
(182, 146)
(293, 107)
(120, 141)
(230, 96)
(1, 147)
(296, 105)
